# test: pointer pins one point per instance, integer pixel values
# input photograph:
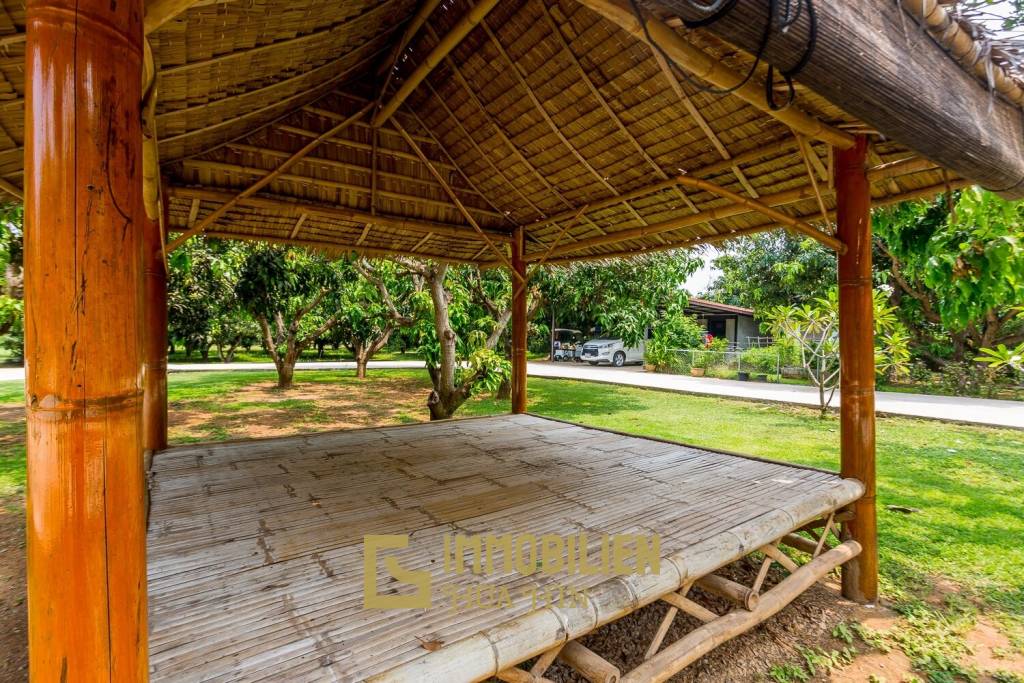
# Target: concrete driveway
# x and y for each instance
(949, 408)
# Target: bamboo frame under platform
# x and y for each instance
(255, 547)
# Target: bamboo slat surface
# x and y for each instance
(255, 548)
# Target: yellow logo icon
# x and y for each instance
(420, 599)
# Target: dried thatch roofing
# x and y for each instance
(544, 108)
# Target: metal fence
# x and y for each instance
(765, 364)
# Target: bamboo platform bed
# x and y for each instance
(255, 548)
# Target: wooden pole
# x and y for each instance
(857, 365)
(154, 336)
(519, 324)
(85, 529)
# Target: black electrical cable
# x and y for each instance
(785, 17)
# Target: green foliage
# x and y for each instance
(670, 333)
(761, 359)
(814, 329)
(624, 297)
(772, 269)
(974, 262)
(12, 332)
(1002, 357)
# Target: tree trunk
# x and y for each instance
(361, 352)
(285, 369)
(504, 390)
(446, 398)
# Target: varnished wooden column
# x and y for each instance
(519, 325)
(154, 334)
(857, 359)
(83, 228)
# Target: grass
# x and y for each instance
(967, 481)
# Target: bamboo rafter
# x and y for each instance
(468, 216)
(930, 191)
(471, 19)
(337, 184)
(294, 208)
(262, 182)
(708, 69)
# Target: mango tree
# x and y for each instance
(374, 306)
(293, 297)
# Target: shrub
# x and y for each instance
(762, 359)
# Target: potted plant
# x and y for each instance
(700, 364)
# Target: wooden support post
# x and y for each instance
(857, 363)
(84, 216)
(154, 337)
(519, 323)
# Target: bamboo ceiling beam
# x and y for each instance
(713, 71)
(12, 189)
(159, 12)
(434, 57)
(930, 191)
(346, 166)
(806, 154)
(263, 182)
(468, 216)
(294, 208)
(426, 8)
(711, 169)
(464, 84)
(355, 144)
(298, 225)
(615, 118)
(280, 104)
(365, 125)
(480, 152)
(539, 106)
(760, 207)
(799, 194)
(329, 246)
(336, 184)
(286, 44)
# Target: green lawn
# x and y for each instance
(967, 482)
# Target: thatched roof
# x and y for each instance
(546, 115)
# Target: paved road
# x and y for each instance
(950, 408)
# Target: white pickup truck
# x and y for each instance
(612, 351)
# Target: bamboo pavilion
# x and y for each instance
(515, 134)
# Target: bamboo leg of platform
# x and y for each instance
(516, 675)
(702, 640)
(730, 590)
(588, 663)
(546, 660)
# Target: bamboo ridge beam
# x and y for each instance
(760, 207)
(711, 70)
(331, 212)
(264, 181)
(435, 57)
(873, 61)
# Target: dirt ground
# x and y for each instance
(805, 626)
